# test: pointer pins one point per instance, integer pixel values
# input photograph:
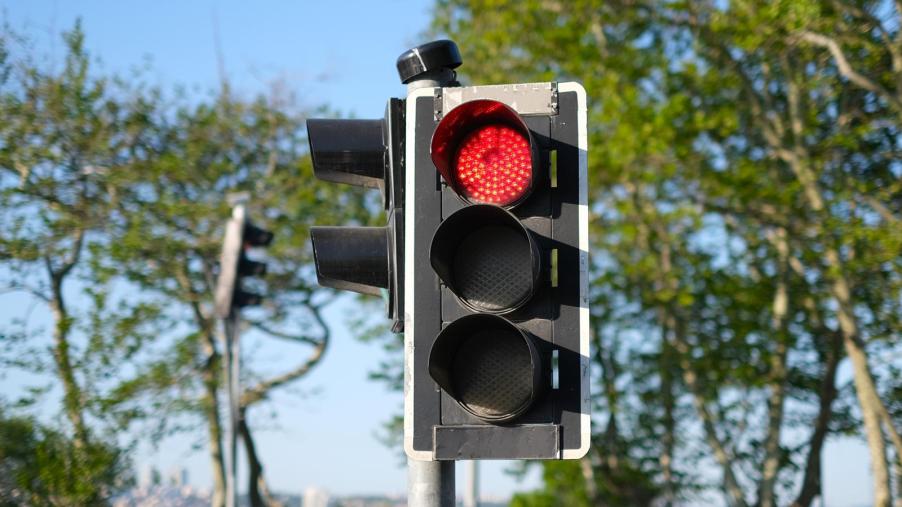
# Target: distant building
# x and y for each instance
(316, 497)
(151, 492)
(145, 477)
(178, 477)
(163, 496)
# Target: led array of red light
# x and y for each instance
(494, 165)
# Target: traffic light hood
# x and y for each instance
(348, 151)
(352, 258)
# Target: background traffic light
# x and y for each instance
(496, 242)
(235, 266)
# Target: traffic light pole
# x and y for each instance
(229, 298)
(430, 483)
(231, 368)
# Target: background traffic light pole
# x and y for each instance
(225, 289)
(230, 297)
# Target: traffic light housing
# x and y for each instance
(365, 153)
(484, 258)
(496, 249)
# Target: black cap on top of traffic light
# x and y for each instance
(487, 258)
(348, 151)
(485, 153)
(488, 365)
(352, 258)
(429, 57)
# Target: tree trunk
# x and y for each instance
(211, 377)
(896, 440)
(257, 489)
(588, 471)
(735, 495)
(780, 310)
(72, 395)
(811, 482)
(869, 403)
(866, 390)
(211, 412)
(667, 439)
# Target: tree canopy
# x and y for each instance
(745, 199)
(113, 197)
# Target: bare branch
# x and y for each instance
(845, 68)
(891, 46)
(283, 335)
(21, 287)
(261, 390)
(880, 208)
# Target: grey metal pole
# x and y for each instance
(471, 496)
(230, 352)
(230, 370)
(432, 79)
(430, 483)
(234, 408)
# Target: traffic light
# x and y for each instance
(484, 258)
(235, 266)
(363, 153)
(496, 249)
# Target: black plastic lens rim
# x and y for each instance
(457, 227)
(446, 344)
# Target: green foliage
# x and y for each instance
(113, 198)
(41, 466)
(712, 127)
(565, 484)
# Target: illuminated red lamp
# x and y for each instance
(485, 152)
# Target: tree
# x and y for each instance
(743, 216)
(167, 237)
(42, 466)
(64, 134)
(125, 188)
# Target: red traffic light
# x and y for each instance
(485, 153)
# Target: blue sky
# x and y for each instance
(340, 54)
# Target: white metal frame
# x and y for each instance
(409, 300)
